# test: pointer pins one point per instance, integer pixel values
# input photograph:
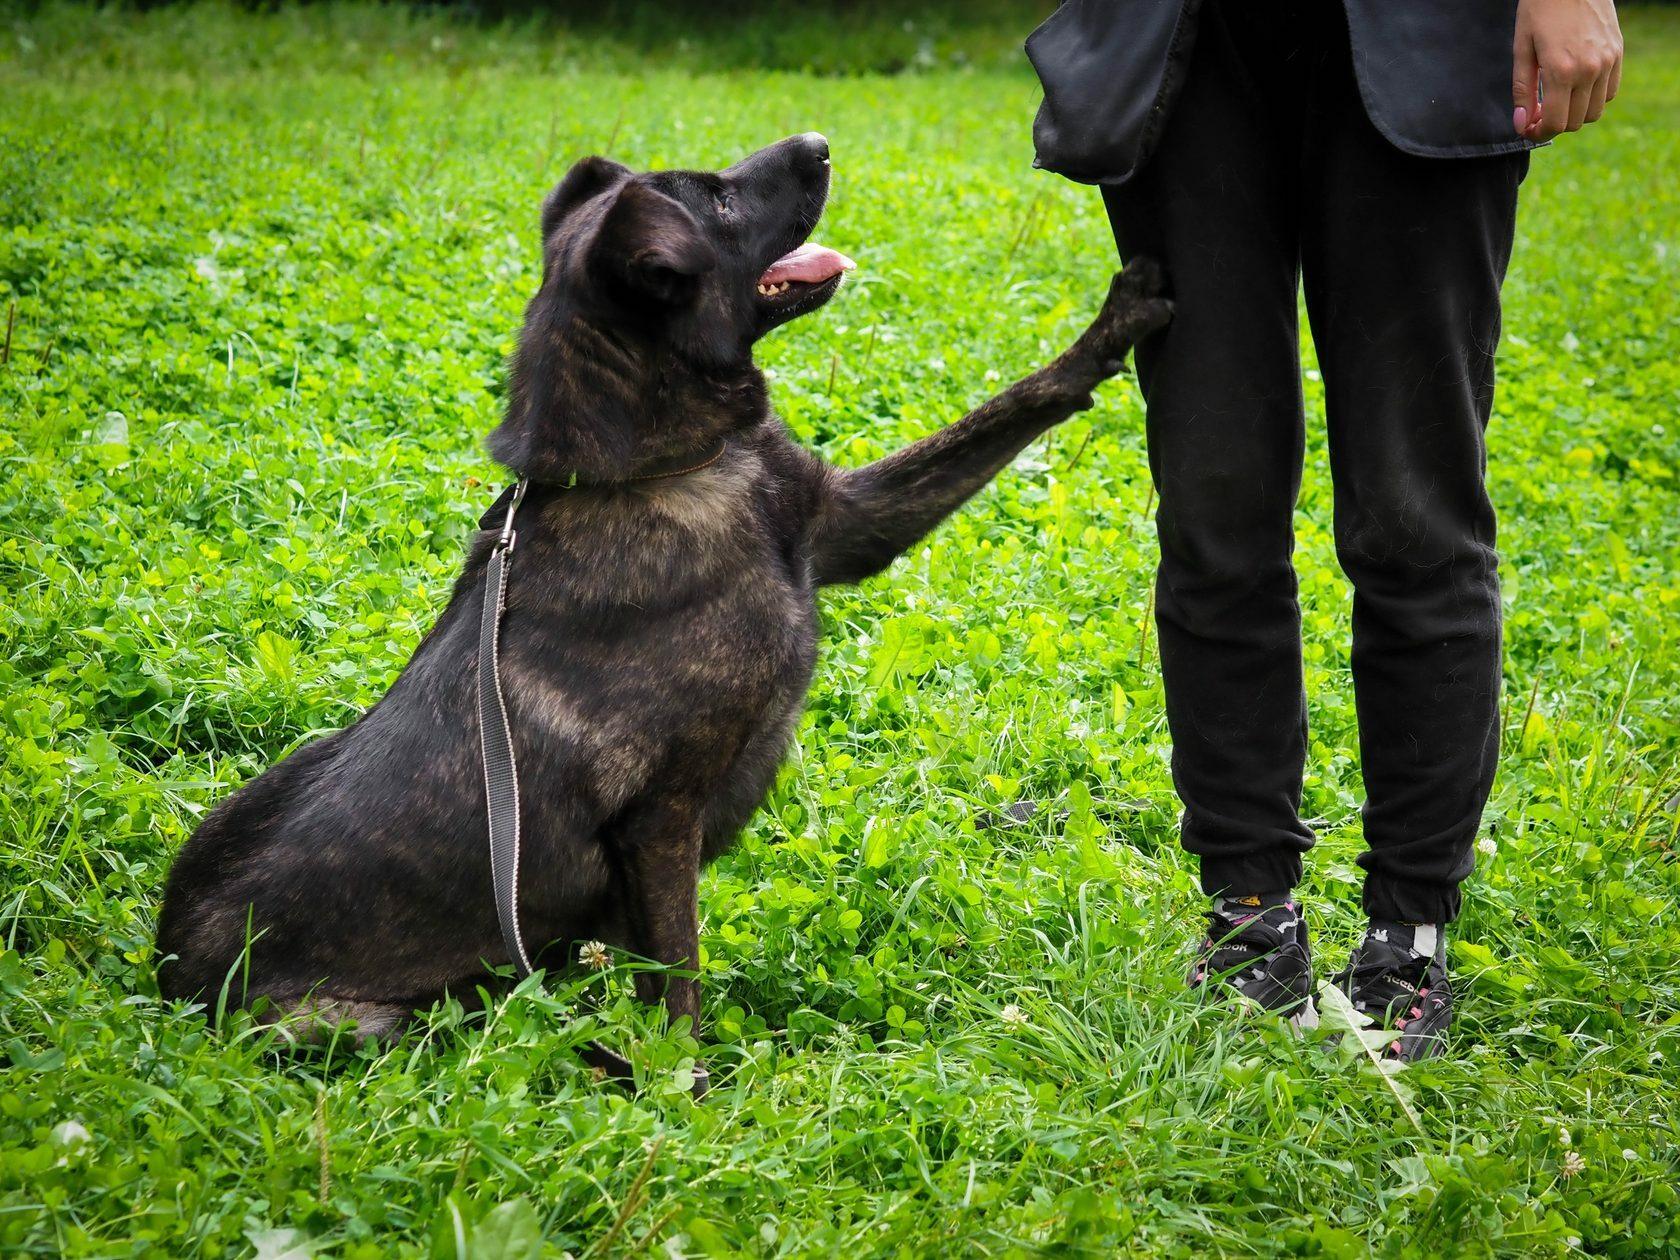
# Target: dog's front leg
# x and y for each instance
(867, 517)
(665, 913)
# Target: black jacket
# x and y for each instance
(1435, 76)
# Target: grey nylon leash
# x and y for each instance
(501, 776)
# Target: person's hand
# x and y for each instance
(1571, 49)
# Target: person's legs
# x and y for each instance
(1217, 204)
(1402, 259)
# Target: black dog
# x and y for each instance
(660, 627)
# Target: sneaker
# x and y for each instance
(1261, 953)
(1388, 980)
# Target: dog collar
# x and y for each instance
(675, 466)
(656, 470)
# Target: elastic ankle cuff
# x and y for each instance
(1226, 877)
(1410, 902)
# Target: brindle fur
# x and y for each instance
(659, 635)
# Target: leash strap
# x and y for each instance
(501, 777)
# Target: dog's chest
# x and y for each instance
(684, 636)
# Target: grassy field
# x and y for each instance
(264, 273)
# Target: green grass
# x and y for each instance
(265, 273)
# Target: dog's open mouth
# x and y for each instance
(809, 271)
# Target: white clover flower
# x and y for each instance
(1573, 1163)
(71, 1133)
(594, 954)
(72, 1139)
(1013, 1015)
(1487, 846)
(1564, 1140)
(992, 374)
(1629, 1153)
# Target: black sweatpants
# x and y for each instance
(1268, 174)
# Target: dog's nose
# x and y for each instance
(816, 144)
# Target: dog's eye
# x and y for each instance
(726, 203)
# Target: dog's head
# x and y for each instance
(656, 284)
(708, 260)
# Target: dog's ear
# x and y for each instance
(652, 242)
(588, 177)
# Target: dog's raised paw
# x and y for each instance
(1150, 315)
(1132, 310)
(1136, 298)
(1143, 277)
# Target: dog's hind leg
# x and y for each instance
(321, 1017)
(867, 517)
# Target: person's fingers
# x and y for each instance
(1596, 96)
(1525, 83)
(1580, 97)
(1615, 79)
(1554, 114)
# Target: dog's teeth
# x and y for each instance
(765, 290)
(783, 288)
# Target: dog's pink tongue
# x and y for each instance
(809, 264)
